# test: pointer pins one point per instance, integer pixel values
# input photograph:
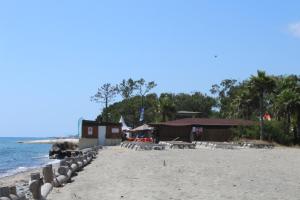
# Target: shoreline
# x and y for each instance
(21, 179)
(20, 176)
(23, 176)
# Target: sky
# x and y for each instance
(55, 54)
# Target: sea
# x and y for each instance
(17, 157)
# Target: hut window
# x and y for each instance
(115, 130)
(90, 130)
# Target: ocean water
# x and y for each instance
(16, 157)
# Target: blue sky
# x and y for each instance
(54, 54)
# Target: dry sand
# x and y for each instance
(187, 174)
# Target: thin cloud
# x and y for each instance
(294, 29)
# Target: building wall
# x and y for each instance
(167, 133)
(87, 142)
(214, 133)
(113, 132)
(113, 142)
(90, 134)
(85, 131)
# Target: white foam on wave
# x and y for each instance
(22, 169)
(41, 157)
(18, 170)
(54, 162)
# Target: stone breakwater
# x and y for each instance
(39, 187)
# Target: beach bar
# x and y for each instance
(200, 129)
(94, 133)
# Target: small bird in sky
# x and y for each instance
(215, 56)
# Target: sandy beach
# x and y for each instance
(120, 173)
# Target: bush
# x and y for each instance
(274, 130)
(249, 132)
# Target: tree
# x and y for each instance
(167, 106)
(262, 85)
(196, 102)
(225, 92)
(127, 87)
(129, 109)
(287, 102)
(106, 93)
(242, 102)
(144, 88)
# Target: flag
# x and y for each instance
(142, 114)
(267, 116)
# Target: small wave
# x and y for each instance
(40, 157)
(54, 162)
(17, 171)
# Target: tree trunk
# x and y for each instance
(106, 113)
(164, 116)
(295, 134)
(298, 126)
(288, 123)
(261, 116)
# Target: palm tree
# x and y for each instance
(261, 84)
(287, 101)
(167, 106)
(242, 103)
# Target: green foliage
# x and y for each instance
(253, 97)
(197, 102)
(275, 132)
(224, 91)
(143, 87)
(128, 108)
(261, 83)
(160, 108)
(249, 99)
(105, 94)
(127, 87)
(167, 106)
(242, 132)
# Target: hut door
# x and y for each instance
(101, 135)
